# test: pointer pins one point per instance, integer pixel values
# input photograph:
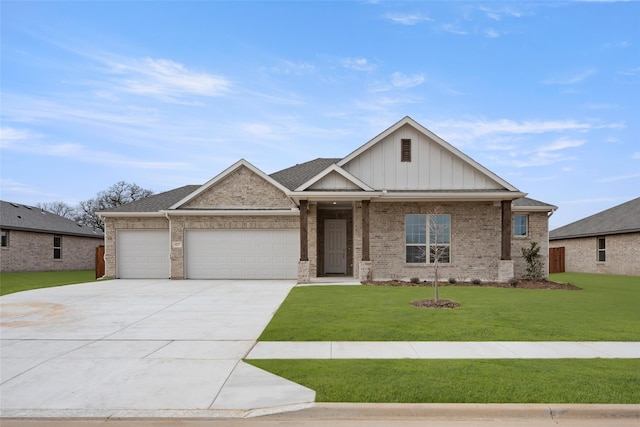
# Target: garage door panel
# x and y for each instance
(241, 254)
(143, 254)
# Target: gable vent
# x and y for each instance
(405, 151)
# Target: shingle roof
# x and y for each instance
(14, 216)
(528, 202)
(297, 175)
(624, 218)
(156, 202)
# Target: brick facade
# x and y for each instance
(31, 251)
(475, 241)
(622, 254)
(241, 189)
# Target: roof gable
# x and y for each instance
(334, 178)
(624, 218)
(14, 216)
(295, 176)
(241, 186)
(435, 164)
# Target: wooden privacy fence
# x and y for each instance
(556, 260)
(99, 261)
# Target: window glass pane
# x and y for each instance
(416, 230)
(57, 253)
(440, 251)
(57, 241)
(520, 225)
(416, 254)
(601, 256)
(5, 239)
(601, 243)
(440, 229)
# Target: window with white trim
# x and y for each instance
(602, 255)
(5, 238)
(437, 234)
(520, 223)
(57, 247)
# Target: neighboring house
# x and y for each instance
(37, 240)
(607, 242)
(363, 216)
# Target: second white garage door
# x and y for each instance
(142, 254)
(242, 254)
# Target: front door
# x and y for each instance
(335, 246)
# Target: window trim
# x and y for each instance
(526, 226)
(601, 250)
(427, 236)
(57, 250)
(405, 150)
(5, 240)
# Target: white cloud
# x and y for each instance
(561, 144)
(407, 18)
(403, 81)
(358, 64)
(491, 33)
(166, 78)
(454, 29)
(571, 79)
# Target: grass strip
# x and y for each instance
(605, 310)
(17, 282)
(586, 381)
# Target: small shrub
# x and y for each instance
(415, 280)
(452, 280)
(476, 281)
(513, 283)
(534, 261)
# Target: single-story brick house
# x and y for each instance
(367, 215)
(607, 242)
(36, 240)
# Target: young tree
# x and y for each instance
(59, 208)
(116, 195)
(437, 247)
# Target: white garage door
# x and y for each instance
(242, 254)
(143, 254)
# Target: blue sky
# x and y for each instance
(163, 94)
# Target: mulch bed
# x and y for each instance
(522, 284)
(431, 303)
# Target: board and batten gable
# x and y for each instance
(432, 166)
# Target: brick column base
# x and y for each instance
(365, 272)
(505, 271)
(304, 275)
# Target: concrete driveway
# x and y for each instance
(131, 348)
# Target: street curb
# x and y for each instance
(462, 411)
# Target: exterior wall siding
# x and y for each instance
(622, 254)
(30, 251)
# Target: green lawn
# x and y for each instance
(605, 310)
(16, 282)
(465, 381)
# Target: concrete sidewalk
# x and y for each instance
(444, 350)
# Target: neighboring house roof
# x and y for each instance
(156, 202)
(14, 216)
(624, 218)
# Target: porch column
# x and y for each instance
(304, 230)
(506, 230)
(365, 230)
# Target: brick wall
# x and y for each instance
(538, 231)
(29, 251)
(241, 189)
(622, 254)
(475, 241)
